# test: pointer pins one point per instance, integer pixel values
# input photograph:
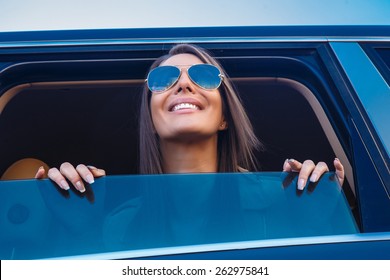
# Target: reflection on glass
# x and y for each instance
(136, 212)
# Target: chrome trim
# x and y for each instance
(243, 245)
(139, 41)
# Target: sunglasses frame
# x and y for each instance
(220, 75)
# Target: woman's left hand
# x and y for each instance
(312, 172)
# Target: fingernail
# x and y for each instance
(291, 160)
(90, 179)
(313, 178)
(284, 164)
(64, 185)
(301, 184)
(80, 186)
(337, 159)
(91, 167)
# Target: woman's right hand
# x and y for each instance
(76, 175)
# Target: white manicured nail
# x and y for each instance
(80, 186)
(301, 184)
(64, 185)
(90, 179)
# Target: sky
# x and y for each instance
(19, 15)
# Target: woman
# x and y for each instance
(192, 121)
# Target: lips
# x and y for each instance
(185, 104)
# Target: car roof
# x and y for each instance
(166, 35)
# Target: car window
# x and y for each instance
(385, 55)
(56, 96)
(297, 95)
(136, 213)
(379, 53)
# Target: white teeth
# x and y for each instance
(184, 106)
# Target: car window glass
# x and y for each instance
(384, 54)
(142, 212)
(379, 54)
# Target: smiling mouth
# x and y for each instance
(183, 106)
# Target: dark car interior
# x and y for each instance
(97, 124)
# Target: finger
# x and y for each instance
(71, 174)
(85, 173)
(55, 175)
(339, 170)
(97, 172)
(295, 165)
(40, 173)
(320, 169)
(307, 168)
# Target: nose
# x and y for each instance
(184, 84)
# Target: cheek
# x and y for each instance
(155, 110)
(219, 114)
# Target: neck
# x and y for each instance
(190, 157)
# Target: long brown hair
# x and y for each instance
(236, 145)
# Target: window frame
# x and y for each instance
(315, 57)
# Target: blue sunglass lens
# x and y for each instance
(162, 78)
(206, 76)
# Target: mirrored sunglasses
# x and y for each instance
(162, 78)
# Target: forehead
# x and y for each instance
(182, 59)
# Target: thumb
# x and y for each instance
(41, 173)
(339, 170)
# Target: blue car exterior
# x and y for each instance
(346, 70)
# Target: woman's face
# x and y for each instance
(186, 112)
